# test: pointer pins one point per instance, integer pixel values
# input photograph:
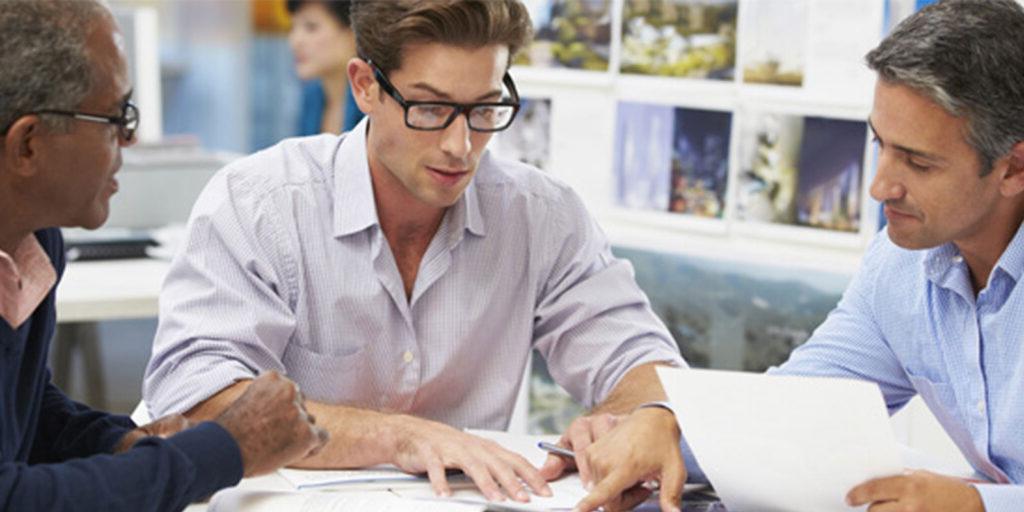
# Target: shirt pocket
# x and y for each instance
(329, 378)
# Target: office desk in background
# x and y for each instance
(96, 291)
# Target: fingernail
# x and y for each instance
(589, 486)
(545, 491)
(523, 496)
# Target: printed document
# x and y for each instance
(780, 442)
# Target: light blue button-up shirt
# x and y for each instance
(910, 321)
(285, 267)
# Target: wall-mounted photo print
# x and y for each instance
(679, 38)
(643, 155)
(831, 172)
(769, 158)
(774, 39)
(801, 170)
(529, 138)
(672, 159)
(723, 314)
(700, 162)
(573, 34)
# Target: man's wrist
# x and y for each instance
(663, 412)
(657, 404)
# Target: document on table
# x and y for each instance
(387, 489)
(566, 493)
(389, 477)
(782, 442)
(245, 500)
(375, 478)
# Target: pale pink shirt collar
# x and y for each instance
(25, 280)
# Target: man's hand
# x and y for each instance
(423, 446)
(616, 454)
(271, 426)
(917, 491)
(163, 427)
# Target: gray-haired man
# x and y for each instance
(65, 114)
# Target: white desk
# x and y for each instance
(93, 291)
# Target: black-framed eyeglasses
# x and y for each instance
(438, 115)
(127, 123)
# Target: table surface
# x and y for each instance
(92, 291)
(276, 482)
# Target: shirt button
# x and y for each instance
(981, 407)
(408, 357)
(958, 259)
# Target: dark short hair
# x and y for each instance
(44, 57)
(384, 28)
(968, 57)
(340, 9)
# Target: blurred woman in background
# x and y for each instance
(322, 42)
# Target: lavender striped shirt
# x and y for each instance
(285, 267)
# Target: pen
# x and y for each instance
(556, 450)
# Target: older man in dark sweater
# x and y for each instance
(65, 114)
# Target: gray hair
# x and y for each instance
(43, 57)
(968, 57)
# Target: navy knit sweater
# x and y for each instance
(55, 453)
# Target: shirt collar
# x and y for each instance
(472, 219)
(26, 278)
(355, 208)
(941, 259)
(1012, 259)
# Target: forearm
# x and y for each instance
(358, 437)
(155, 475)
(68, 429)
(639, 385)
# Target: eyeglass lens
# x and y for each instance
(481, 117)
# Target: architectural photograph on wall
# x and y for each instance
(769, 153)
(831, 172)
(730, 315)
(679, 38)
(773, 41)
(700, 162)
(799, 170)
(672, 159)
(575, 34)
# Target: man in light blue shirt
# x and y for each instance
(935, 309)
(401, 274)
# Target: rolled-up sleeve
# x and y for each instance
(225, 311)
(592, 323)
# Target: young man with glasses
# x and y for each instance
(65, 115)
(402, 274)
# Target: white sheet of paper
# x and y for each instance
(313, 478)
(377, 478)
(780, 442)
(566, 493)
(246, 500)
